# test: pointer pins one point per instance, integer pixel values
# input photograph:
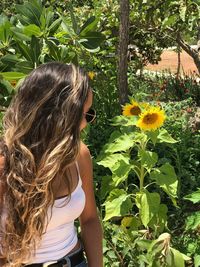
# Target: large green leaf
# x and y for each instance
(18, 34)
(89, 25)
(58, 52)
(35, 50)
(112, 161)
(73, 19)
(148, 204)
(165, 137)
(5, 29)
(91, 40)
(158, 222)
(121, 143)
(10, 59)
(105, 186)
(30, 12)
(12, 75)
(120, 174)
(148, 159)
(54, 26)
(132, 222)
(194, 197)
(193, 221)
(178, 260)
(117, 204)
(25, 51)
(124, 121)
(166, 178)
(196, 260)
(24, 66)
(32, 29)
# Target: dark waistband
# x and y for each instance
(74, 258)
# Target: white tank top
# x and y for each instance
(61, 235)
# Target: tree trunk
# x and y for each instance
(179, 60)
(179, 57)
(192, 52)
(123, 51)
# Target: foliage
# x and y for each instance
(165, 86)
(129, 156)
(159, 24)
(37, 34)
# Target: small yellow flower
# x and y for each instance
(151, 119)
(132, 109)
(13, 83)
(91, 74)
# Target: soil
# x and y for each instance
(169, 61)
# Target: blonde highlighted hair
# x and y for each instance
(40, 141)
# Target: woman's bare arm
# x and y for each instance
(91, 229)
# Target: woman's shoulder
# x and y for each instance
(84, 158)
(84, 150)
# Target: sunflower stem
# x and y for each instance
(142, 178)
(142, 169)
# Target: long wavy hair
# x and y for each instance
(40, 141)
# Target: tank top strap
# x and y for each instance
(79, 177)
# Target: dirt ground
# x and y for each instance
(169, 62)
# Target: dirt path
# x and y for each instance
(169, 62)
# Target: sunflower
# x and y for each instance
(151, 119)
(132, 109)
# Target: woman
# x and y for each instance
(46, 179)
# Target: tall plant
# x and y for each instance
(135, 168)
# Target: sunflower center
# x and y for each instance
(135, 111)
(150, 118)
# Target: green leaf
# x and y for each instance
(110, 161)
(32, 29)
(30, 12)
(194, 197)
(54, 26)
(5, 29)
(159, 220)
(169, 20)
(25, 51)
(182, 10)
(148, 159)
(120, 173)
(92, 40)
(131, 222)
(178, 260)
(18, 34)
(153, 135)
(124, 121)
(164, 136)
(24, 66)
(148, 204)
(117, 204)
(122, 143)
(196, 260)
(35, 50)
(105, 186)
(10, 59)
(73, 18)
(166, 178)
(193, 221)
(89, 25)
(12, 75)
